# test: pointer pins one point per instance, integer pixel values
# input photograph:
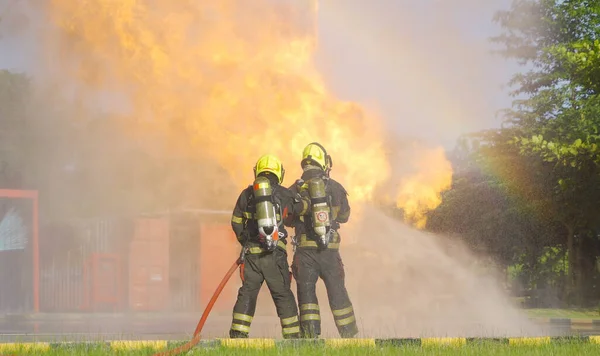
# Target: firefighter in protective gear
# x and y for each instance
(258, 223)
(317, 245)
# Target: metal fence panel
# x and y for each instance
(16, 267)
(64, 285)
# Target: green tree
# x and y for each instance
(560, 109)
(556, 113)
(496, 203)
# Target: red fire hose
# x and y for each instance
(196, 339)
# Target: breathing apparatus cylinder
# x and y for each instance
(266, 216)
(321, 212)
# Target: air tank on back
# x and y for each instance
(266, 216)
(321, 212)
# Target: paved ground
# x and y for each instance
(112, 328)
(173, 327)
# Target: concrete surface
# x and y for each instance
(180, 326)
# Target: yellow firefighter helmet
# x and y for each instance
(316, 153)
(269, 163)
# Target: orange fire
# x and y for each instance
(224, 79)
(420, 191)
(228, 79)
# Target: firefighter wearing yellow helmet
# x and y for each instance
(258, 223)
(317, 242)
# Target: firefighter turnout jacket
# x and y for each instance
(312, 261)
(340, 210)
(262, 265)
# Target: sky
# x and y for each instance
(423, 65)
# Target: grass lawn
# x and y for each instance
(564, 313)
(477, 349)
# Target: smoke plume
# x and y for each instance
(201, 89)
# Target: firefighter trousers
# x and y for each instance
(272, 268)
(308, 266)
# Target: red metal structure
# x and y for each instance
(149, 266)
(166, 262)
(218, 247)
(103, 283)
(31, 195)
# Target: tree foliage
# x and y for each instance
(559, 114)
(539, 174)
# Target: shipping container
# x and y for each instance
(149, 265)
(103, 283)
(183, 268)
(218, 250)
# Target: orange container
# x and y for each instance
(149, 266)
(218, 249)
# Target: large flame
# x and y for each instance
(229, 80)
(420, 192)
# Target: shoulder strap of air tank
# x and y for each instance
(326, 180)
(249, 196)
(275, 197)
(276, 200)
